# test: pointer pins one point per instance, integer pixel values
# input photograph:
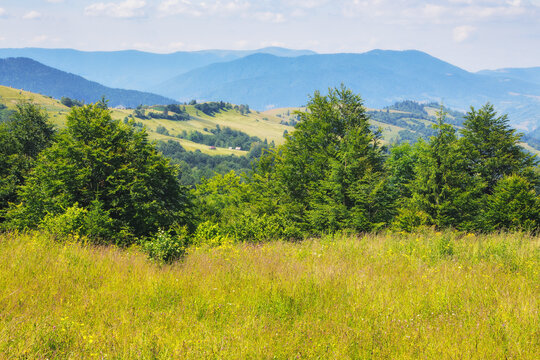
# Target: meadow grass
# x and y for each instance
(388, 296)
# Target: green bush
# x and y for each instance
(210, 234)
(71, 222)
(409, 220)
(94, 224)
(167, 246)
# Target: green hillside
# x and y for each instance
(400, 122)
(262, 125)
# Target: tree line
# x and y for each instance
(102, 179)
(221, 137)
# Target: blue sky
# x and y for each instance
(481, 34)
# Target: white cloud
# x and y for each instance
(307, 4)
(265, 44)
(55, 1)
(173, 7)
(40, 39)
(176, 46)
(3, 12)
(32, 15)
(196, 8)
(125, 9)
(269, 16)
(434, 11)
(462, 33)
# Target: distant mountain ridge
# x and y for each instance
(280, 77)
(524, 74)
(28, 74)
(132, 69)
(380, 76)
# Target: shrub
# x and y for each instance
(167, 246)
(93, 223)
(71, 222)
(210, 234)
(409, 220)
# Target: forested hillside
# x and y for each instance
(27, 74)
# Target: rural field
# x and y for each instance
(428, 295)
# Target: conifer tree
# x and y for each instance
(442, 188)
(492, 148)
(332, 166)
(514, 205)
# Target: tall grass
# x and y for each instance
(429, 296)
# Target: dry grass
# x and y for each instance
(429, 296)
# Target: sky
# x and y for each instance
(472, 34)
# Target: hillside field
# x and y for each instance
(409, 296)
(269, 125)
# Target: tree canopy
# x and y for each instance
(100, 163)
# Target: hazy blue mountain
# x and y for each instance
(525, 74)
(381, 77)
(134, 69)
(27, 74)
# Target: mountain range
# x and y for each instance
(275, 77)
(28, 74)
(136, 70)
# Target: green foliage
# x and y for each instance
(196, 166)
(492, 148)
(209, 234)
(222, 137)
(442, 188)
(103, 180)
(25, 134)
(30, 127)
(97, 158)
(71, 102)
(94, 224)
(71, 222)
(242, 210)
(167, 245)
(211, 108)
(331, 174)
(242, 109)
(401, 166)
(162, 130)
(410, 219)
(514, 205)
(333, 165)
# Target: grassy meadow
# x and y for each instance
(388, 296)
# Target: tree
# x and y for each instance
(401, 167)
(100, 163)
(30, 127)
(332, 166)
(513, 205)
(26, 133)
(492, 148)
(442, 188)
